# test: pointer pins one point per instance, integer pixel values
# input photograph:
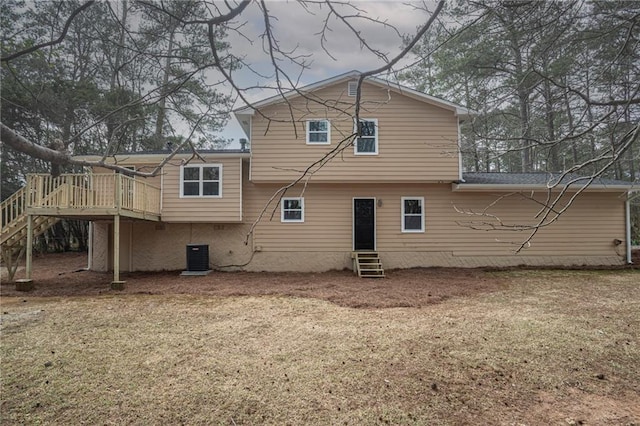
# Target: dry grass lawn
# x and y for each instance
(546, 347)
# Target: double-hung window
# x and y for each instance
(367, 142)
(318, 132)
(412, 214)
(201, 180)
(292, 209)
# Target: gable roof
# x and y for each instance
(458, 110)
(536, 181)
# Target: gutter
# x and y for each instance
(155, 158)
(474, 187)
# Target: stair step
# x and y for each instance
(15, 234)
(367, 264)
(372, 276)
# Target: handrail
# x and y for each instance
(13, 207)
(139, 196)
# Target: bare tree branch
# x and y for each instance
(59, 40)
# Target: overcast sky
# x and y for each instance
(298, 28)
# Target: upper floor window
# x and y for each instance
(292, 209)
(318, 132)
(412, 214)
(201, 180)
(367, 143)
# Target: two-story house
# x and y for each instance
(398, 192)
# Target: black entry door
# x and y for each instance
(364, 224)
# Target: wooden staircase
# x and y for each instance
(367, 264)
(13, 235)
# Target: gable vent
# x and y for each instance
(352, 88)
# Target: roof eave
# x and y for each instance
(501, 187)
(156, 158)
(250, 109)
(458, 110)
(462, 112)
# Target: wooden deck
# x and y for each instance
(91, 196)
(44, 199)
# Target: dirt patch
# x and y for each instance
(577, 407)
(64, 275)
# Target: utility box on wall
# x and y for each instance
(197, 257)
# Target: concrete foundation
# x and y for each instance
(147, 246)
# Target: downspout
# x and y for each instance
(90, 249)
(459, 153)
(627, 223)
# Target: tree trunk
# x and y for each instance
(523, 105)
(115, 80)
(159, 142)
(551, 130)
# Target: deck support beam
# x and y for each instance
(29, 259)
(116, 284)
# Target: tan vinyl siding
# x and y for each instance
(588, 228)
(581, 230)
(416, 141)
(146, 168)
(203, 209)
(583, 235)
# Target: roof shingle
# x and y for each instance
(539, 178)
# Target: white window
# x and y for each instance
(292, 210)
(367, 144)
(318, 132)
(201, 180)
(412, 214)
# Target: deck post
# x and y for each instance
(118, 191)
(116, 284)
(69, 189)
(29, 259)
(26, 284)
(37, 202)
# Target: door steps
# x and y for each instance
(367, 264)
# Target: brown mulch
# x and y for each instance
(62, 275)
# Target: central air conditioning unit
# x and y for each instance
(197, 257)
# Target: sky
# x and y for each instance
(298, 29)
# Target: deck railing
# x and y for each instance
(92, 191)
(13, 207)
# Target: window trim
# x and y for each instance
(355, 142)
(328, 142)
(200, 181)
(282, 210)
(403, 215)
